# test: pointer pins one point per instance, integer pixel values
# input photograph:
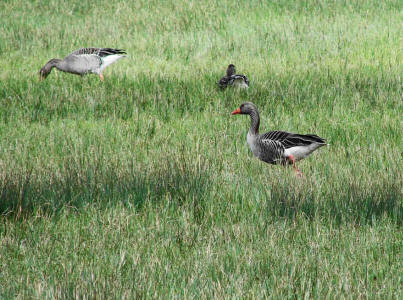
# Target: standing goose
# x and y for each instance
(232, 79)
(277, 146)
(83, 61)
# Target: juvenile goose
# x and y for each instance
(232, 79)
(277, 146)
(83, 61)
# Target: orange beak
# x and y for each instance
(237, 111)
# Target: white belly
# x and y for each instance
(300, 152)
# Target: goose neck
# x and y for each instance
(254, 122)
(54, 62)
(60, 64)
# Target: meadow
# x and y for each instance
(143, 186)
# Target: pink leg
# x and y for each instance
(101, 77)
(292, 159)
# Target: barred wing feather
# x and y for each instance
(292, 140)
(272, 151)
(102, 52)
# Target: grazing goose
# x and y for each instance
(277, 146)
(232, 79)
(83, 61)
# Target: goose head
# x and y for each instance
(231, 70)
(246, 108)
(46, 69)
(43, 73)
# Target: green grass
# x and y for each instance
(143, 186)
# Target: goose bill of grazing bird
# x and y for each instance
(233, 79)
(277, 146)
(84, 61)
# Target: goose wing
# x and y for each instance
(271, 151)
(289, 140)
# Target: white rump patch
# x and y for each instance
(240, 83)
(108, 60)
(300, 152)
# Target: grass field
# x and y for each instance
(143, 185)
